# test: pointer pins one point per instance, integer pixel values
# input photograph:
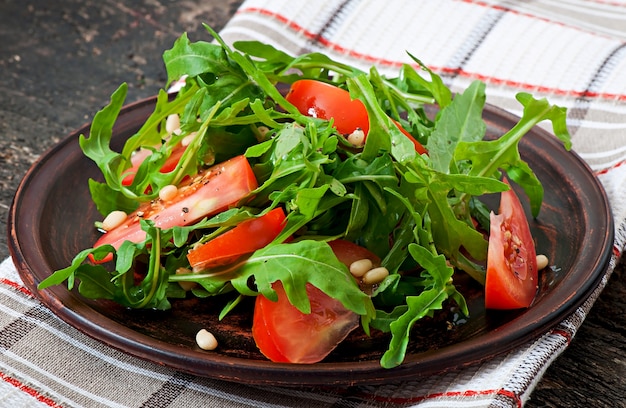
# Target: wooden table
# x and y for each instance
(61, 60)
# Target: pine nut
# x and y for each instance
(376, 275)
(168, 192)
(114, 219)
(357, 138)
(186, 141)
(542, 262)
(263, 130)
(172, 123)
(206, 340)
(360, 267)
(187, 286)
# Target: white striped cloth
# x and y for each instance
(572, 52)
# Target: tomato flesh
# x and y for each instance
(263, 330)
(212, 191)
(348, 252)
(325, 101)
(243, 239)
(284, 334)
(512, 277)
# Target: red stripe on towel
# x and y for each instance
(16, 286)
(28, 390)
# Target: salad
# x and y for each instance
(339, 199)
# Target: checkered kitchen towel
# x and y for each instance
(573, 53)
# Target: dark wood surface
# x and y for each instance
(61, 60)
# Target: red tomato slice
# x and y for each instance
(325, 101)
(212, 191)
(321, 100)
(243, 239)
(284, 334)
(263, 330)
(141, 155)
(512, 278)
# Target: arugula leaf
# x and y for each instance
(212, 68)
(461, 120)
(438, 289)
(96, 146)
(488, 157)
(435, 87)
(95, 282)
(151, 132)
(108, 200)
(300, 263)
(383, 135)
(278, 66)
(268, 58)
(255, 76)
(68, 273)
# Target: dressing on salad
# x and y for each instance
(272, 176)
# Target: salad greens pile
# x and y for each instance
(233, 102)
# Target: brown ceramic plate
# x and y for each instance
(52, 216)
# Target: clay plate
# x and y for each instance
(52, 217)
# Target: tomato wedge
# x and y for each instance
(243, 239)
(512, 277)
(213, 190)
(141, 155)
(263, 328)
(325, 101)
(284, 334)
